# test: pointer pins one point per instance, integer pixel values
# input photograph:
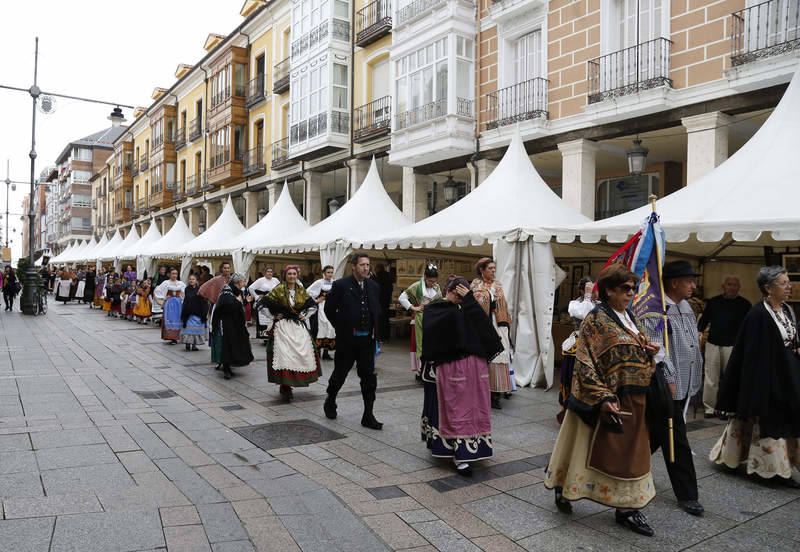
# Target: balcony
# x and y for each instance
(629, 71)
(372, 120)
(255, 91)
(134, 169)
(418, 7)
(280, 77)
(144, 163)
(180, 139)
(319, 135)
(254, 162)
(162, 198)
(280, 154)
(341, 30)
(195, 129)
(768, 29)
(192, 186)
(520, 102)
(373, 22)
(142, 205)
(421, 114)
(122, 215)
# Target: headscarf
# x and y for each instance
(289, 267)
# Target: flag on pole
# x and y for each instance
(647, 262)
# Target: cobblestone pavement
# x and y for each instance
(112, 440)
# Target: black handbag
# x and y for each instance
(659, 410)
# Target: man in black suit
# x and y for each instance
(353, 307)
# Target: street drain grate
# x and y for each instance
(287, 434)
(233, 407)
(161, 394)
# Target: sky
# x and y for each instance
(101, 49)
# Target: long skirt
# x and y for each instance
(63, 290)
(326, 335)
(142, 308)
(263, 323)
(587, 463)
(215, 342)
(499, 372)
(291, 356)
(742, 444)
(80, 290)
(98, 295)
(195, 331)
(106, 305)
(412, 352)
(456, 413)
(171, 323)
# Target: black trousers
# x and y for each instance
(9, 299)
(361, 351)
(681, 472)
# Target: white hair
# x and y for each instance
(731, 277)
(236, 277)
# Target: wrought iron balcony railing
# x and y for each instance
(280, 154)
(765, 30)
(414, 9)
(134, 169)
(195, 129)
(373, 119)
(520, 102)
(254, 161)
(421, 114)
(464, 107)
(255, 91)
(629, 71)
(373, 22)
(280, 77)
(190, 186)
(180, 138)
(340, 122)
(144, 163)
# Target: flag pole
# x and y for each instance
(670, 429)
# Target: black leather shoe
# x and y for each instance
(465, 472)
(330, 408)
(286, 393)
(369, 421)
(564, 506)
(691, 507)
(635, 521)
(496, 402)
(789, 482)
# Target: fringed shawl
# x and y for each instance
(492, 299)
(277, 300)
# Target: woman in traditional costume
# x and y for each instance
(170, 295)
(292, 360)
(194, 314)
(99, 288)
(88, 294)
(603, 448)
(129, 273)
(64, 286)
(228, 320)
(326, 334)
(578, 309)
(760, 388)
(458, 342)
(489, 294)
(162, 276)
(257, 290)
(143, 308)
(114, 297)
(414, 299)
(80, 286)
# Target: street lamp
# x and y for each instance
(450, 190)
(637, 158)
(333, 205)
(13, 188)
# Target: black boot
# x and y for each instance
(330, 407)
(226, 371)
(188, 347)
(326, 355)
(368, 419)
(496, 401)
(564, 506)
(286, 393)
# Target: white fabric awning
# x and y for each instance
(121, 252)
(91, 247)
(67, 253)
(755, 191)
(369, 213)
(171, 242)
(107, 251)
(512, 203)
(217, 239)
(281, 223)
(77, 253)
(147, 240)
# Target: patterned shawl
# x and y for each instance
(483, 295)
(277, 300)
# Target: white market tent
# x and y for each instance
(87, 251)
(169, 246)
(77, 253)
(753, 193)
(281, 223)
(130, 240)
(148, 239)
(370, 212)
(64, 254)
(100, 245)
(512, 205)
(215, 241)
(108, 250)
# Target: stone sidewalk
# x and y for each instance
(112, 440)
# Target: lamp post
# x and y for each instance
(13, 188)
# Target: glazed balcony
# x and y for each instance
(629, 71)
(319, 135)
(225, 167)
(195, 129)
(372, 120)
(122, 215)
(280, 154)
(144, 163)
(520, 102)
(765, 30)
(142, 205)
(254, 162)
(163, 198)
(280, 77)
(180, 139)
(255, 91)
(373, 22)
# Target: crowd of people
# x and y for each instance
(625, 382)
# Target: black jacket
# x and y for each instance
(343, 306)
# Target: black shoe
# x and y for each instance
(708, 415)
(789, 482)
(194, 348)
(508, 394)
(188, 347)
(226, 372)
(330, 408)
(496, 402)
(369, 421)
(564, 506)
(464, 472)
(635, 521)
(218, 367)
(691, 507)
(286, 393)
(326, 355)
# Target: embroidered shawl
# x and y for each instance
(277, 300)
(492, 299)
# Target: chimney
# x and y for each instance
(116, 117)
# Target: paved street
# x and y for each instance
(112, 440)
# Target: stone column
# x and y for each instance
(483, 168)
(578, 175)
(211, 213)
(250, 208)
(358, 172)
(415, 195)
(195, 215)
(313, 197)
(273, 193)
(706, 144)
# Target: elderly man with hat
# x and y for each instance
(682, 367)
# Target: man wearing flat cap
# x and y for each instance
(683, 368)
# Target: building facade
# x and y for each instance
(308, 92)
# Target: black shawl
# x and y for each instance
(193, 304)
(451, 332)
(762, 379)
(229, 312)
(88, 293)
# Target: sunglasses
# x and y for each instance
(625, 288)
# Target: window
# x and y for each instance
(156, 174)
(528, 57)
(79, 177)
(415, 77)
(339, 86)
(340, 10)
(620, 195)
(81, 154)
(381, 79)
(651, 21)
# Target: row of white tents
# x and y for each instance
(749, 201)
